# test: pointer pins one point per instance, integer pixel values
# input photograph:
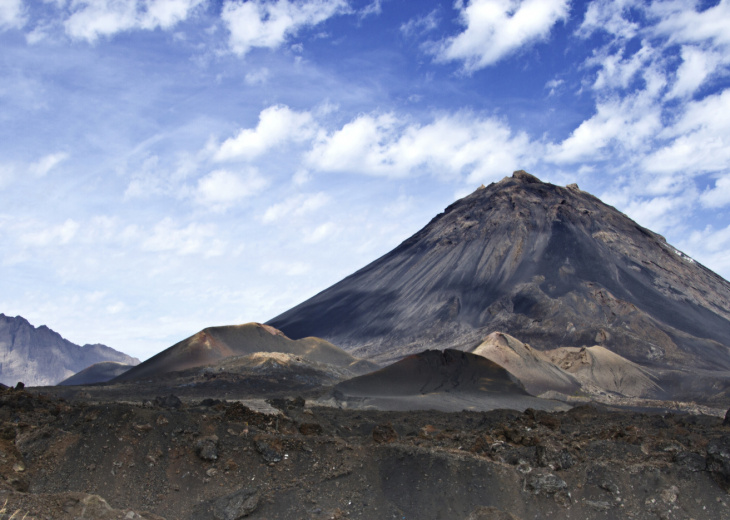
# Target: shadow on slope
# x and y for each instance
(448, 380)
(97, 373)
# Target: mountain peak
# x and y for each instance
(522, 175)
(552, 266)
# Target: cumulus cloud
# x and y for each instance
(277, 124)
(220, 189)
(44, 165)
(498, 28)
(295, 206)
(268, 24)
(92, 19)
(12, 14)
(481, 148)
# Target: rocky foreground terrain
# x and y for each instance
(212, 459)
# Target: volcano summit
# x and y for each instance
(553, 266)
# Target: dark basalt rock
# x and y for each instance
(718, 461)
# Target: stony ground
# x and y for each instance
(209, 459)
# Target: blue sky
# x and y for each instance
(167, 165)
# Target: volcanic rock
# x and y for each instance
(551, 266)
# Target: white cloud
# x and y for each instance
(498, 28)
(617, 72)
(257, 77)
(628, 123)
(279, 267)
(300, 178)
(420, 25)
(295, 206)
(220, 189)
(608, 16)
(699, 140)
(12, 14)
(710, 247)
(681, 22)
(553, 85)
(7, 174)
(260, 23)
(60, 234)
(277, 124)
(697, 65)
(482, 148)
(167, 237)
(718, 196)
(47, 163)
(319, 233)
(92, 19)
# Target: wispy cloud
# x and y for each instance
(44, 165)
(12, 14)
(295, 206)
(195, 238)
(93, 19)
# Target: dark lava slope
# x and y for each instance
(552, 266)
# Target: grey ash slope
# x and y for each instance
(552, 266)
(97, 373)
(38, 356)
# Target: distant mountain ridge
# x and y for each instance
(550, 265)
(39, 356)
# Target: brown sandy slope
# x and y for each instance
(448, 380)
(534, 369)
(214, 344)
(598, 367)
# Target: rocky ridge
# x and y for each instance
(39, 356)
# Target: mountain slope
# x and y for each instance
(553, 266)
(38, 356)
(214, 344)
(447, 380)
(96, 373)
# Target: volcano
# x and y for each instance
(550, 265)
